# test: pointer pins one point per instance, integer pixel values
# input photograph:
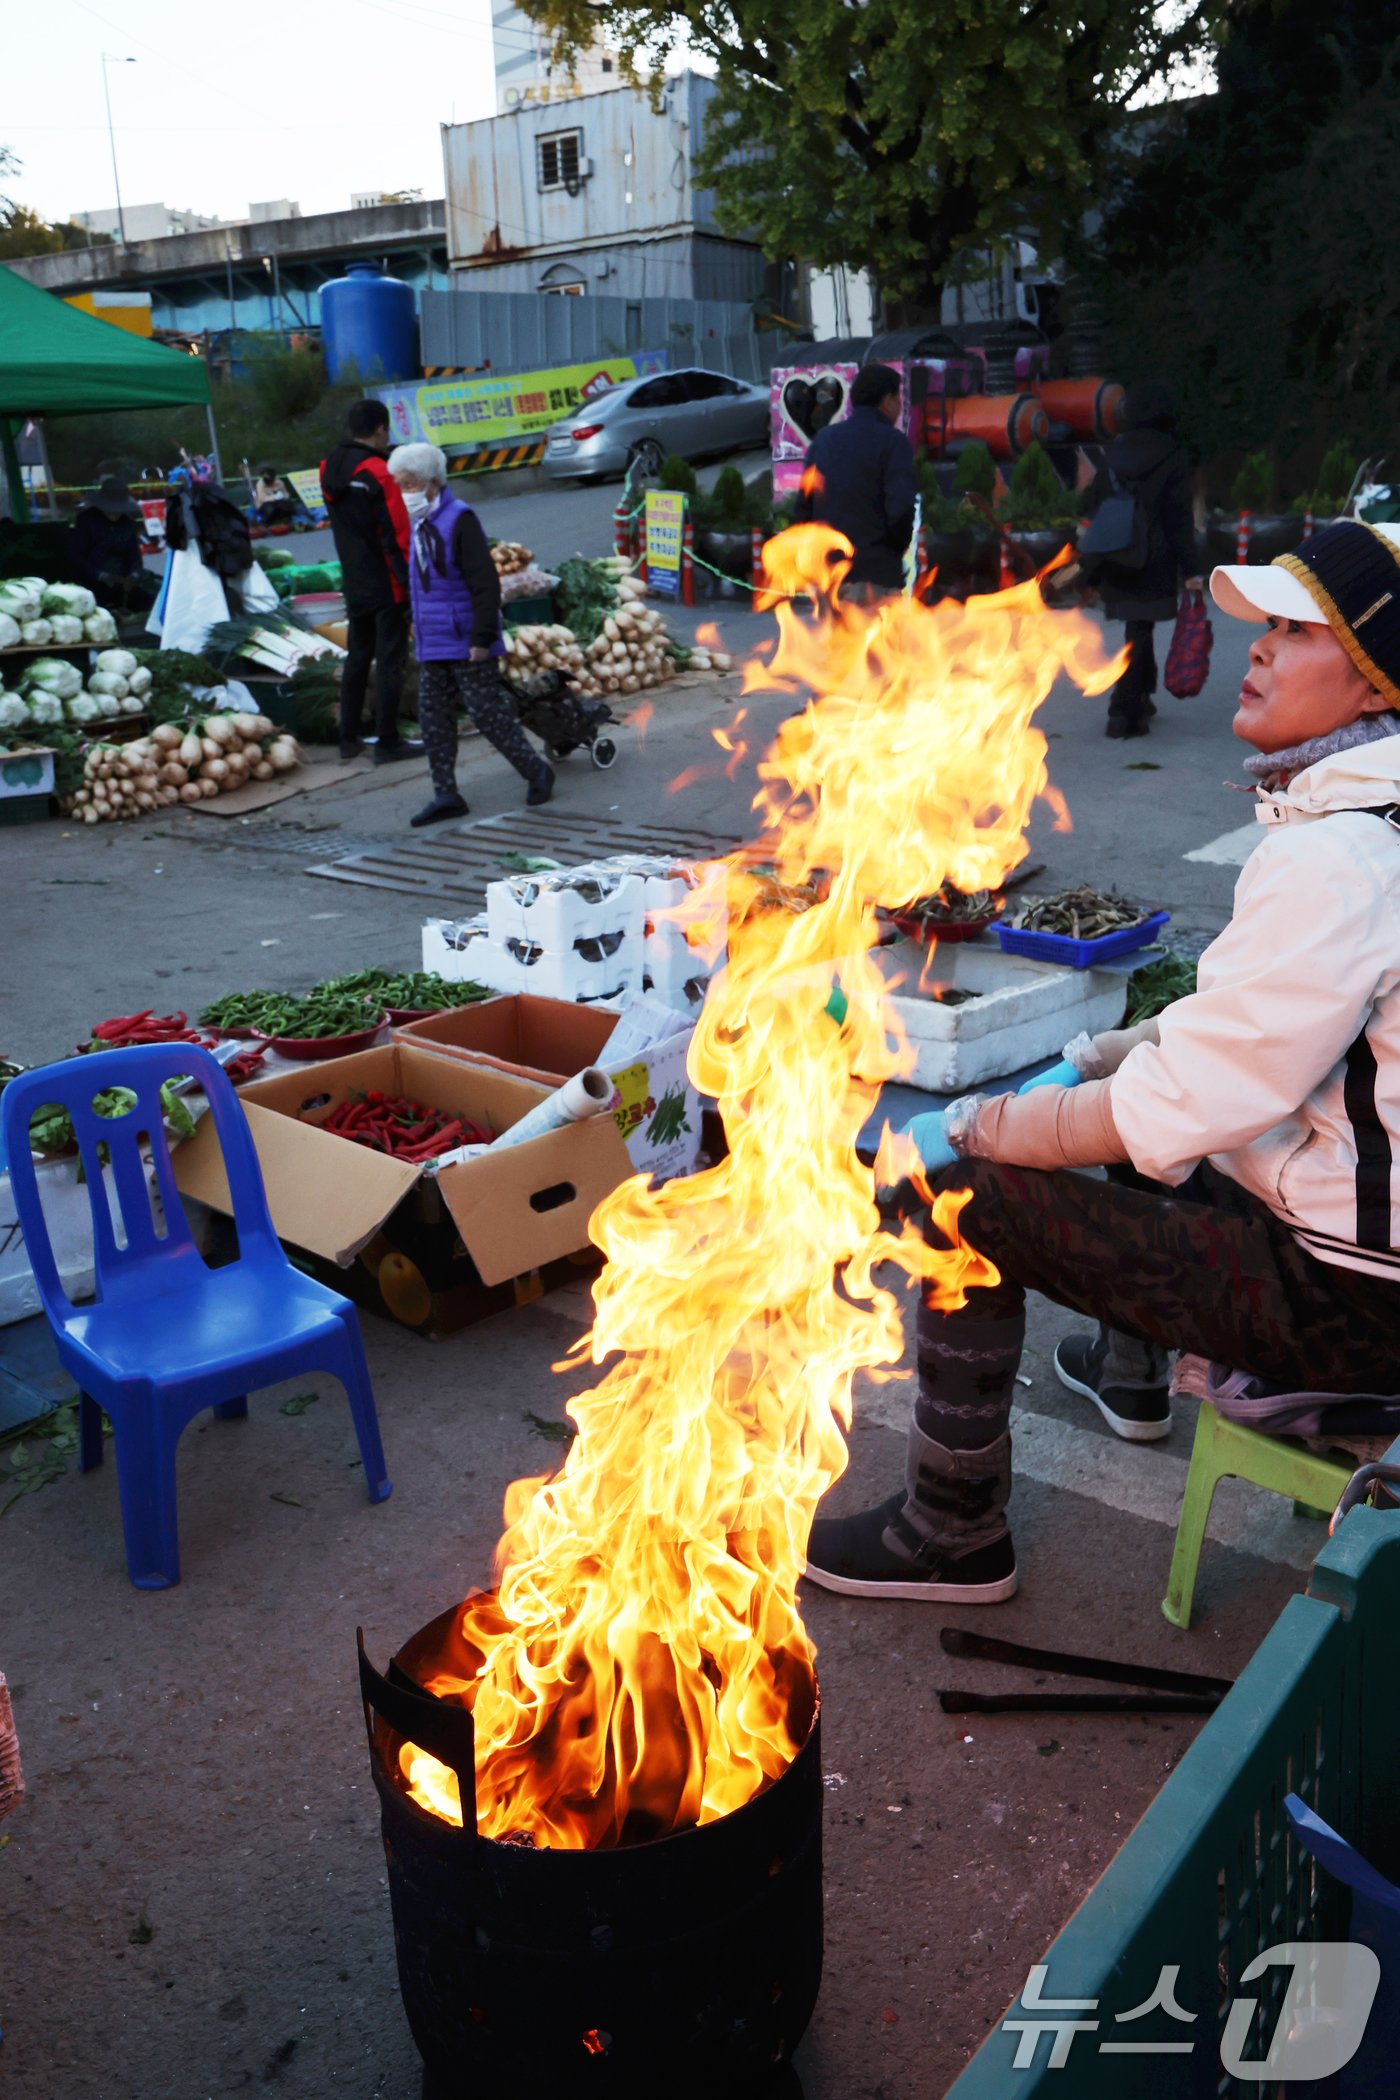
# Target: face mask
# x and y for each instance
(416, 504)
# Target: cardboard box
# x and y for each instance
(547, 1040)
(433, 1249)
(544, 1041)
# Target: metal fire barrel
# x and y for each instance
(1004, 423)
(1088, 407)
(687, 1966)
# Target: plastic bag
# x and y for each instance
(191, 601)
(1188, 659)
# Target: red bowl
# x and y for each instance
(400, 1016)
(310, 1049)
(942, 930)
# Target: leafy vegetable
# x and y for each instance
(9, 631)
(52, 674)
(1157, 985)
(584, 597)
(72, 598)
(100, 626)
(36, 634)
(120, 661)
(18, 600)
(13, 712)
(66, 629)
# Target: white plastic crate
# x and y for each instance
(1024, 1010)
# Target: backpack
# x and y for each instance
(1119, 530)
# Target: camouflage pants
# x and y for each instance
(1205, 1267)
(446, 690)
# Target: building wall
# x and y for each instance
(144, 222)
(635, 178)
(678, 266)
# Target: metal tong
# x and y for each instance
(1167, 1691)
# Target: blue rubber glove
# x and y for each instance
(929, 1133)
(1062, 1074)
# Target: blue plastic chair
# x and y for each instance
(168, 1336)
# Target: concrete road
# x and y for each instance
(193, 1898)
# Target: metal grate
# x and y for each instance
(458, 861)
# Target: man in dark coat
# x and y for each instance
(370, 526)
(859, 478)
(1147, 461)
(105, 547)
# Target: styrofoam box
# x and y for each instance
(27, 772)
(676, 974)
(445, 948)
(1025, 1010)
(558, 917)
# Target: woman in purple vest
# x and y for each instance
(456, 598)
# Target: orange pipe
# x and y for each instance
(1005, 423)
(1090, 407)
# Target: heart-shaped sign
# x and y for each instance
(813, 402)
(797, 405)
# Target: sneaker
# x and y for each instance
(541, 788)
(849, 1555)
(439, 810)
(390, 754)
(1142, 1414)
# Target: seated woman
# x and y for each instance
(273, 500)
(105, 548)
(1261, 1116)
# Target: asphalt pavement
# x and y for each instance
(192, 1901)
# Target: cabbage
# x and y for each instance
(82, 709)
(119, 660)
(13, 712)
(74, 598)
(9, 631)
(107, 682)
(44, 707)
(100, 626)
(51, 674)
(66, 629)
(36, 632)
(133, 705)
(140, 680)
(18, 600)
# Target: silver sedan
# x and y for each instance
(636, 425)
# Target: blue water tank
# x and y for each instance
(369, 326)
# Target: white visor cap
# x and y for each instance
(1269, 592)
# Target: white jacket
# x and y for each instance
(1284, 1068)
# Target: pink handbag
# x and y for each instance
(1188, 659)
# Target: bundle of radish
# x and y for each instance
(510, 556)
(193, 763)
(633, 649)
(533, 651)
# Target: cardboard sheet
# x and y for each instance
(262, 794)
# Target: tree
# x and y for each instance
(905, 140)
(1240, 258)
(23, 232)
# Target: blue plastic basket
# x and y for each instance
(1081, 955)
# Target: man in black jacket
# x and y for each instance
(370, 526)
(859, 478)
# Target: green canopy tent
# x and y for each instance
(59, 362)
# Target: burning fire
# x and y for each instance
(642, 1666)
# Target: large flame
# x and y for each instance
(642, 1666)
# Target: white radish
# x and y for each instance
(191, 751)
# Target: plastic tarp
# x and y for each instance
(56, 361)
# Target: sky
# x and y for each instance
(227, 105)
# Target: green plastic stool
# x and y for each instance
(1224, 1450)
